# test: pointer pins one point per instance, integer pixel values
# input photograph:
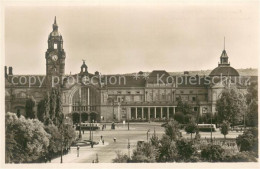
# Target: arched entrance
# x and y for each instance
(85, 100)
(93, 116)
(75, 117)
(84, 117)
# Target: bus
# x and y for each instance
(88, 126)
(207, 127)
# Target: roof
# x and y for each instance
(124, 81)
(155, 75)
(224, 71)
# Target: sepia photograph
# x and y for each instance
(163, 83)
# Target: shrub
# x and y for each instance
(244, 156)
(167, 150)
(144, 153)
(185, 149)
(121, 158)
(212, 153)
(248, 141)
(179, 117)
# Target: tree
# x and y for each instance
(167, 151)
(224, 129)
(55, 139)
(69, 134)
(188, 118)
(185, 149)
(144, 152)
(179, 117)
(212, 153)
(41, 111)
(252, 102)
(172, 130)
(231, 106)
(53, 102)
(191, 128)
(59, 116)
(26, 139)
(183, 107)
(29, 105)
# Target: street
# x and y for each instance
(107, 152)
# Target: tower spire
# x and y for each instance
(55, 25)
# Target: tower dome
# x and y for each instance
(224, 68)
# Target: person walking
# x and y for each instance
(101, 137)
(103, 141)
(114, 139)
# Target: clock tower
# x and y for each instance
(55, 54)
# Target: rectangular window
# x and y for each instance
(55, 46)
(128, 92)
(193, 99)
(138, 92)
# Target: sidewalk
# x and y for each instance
(84, 153)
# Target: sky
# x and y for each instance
(124, 38)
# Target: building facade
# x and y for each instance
(141, 96)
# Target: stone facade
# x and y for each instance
(137, 96)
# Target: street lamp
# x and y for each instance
(147, 134)
(62, 132)
(79, 103)
(211, 127)
(91, 133)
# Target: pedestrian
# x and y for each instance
(101, 137)
(114, 139)
(77, 151)
(103, 141)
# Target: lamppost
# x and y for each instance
(147, 134)
(79, 103)
(127, 120)
(211, 127)
(80, 136)
(113, 104)
(91, 133)
(62, 132)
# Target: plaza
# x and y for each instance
(138, 132)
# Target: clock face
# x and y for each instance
(54, 57)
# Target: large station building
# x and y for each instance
(141, 96)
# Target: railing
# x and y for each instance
(83, 108)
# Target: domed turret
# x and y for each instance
(224, 68)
